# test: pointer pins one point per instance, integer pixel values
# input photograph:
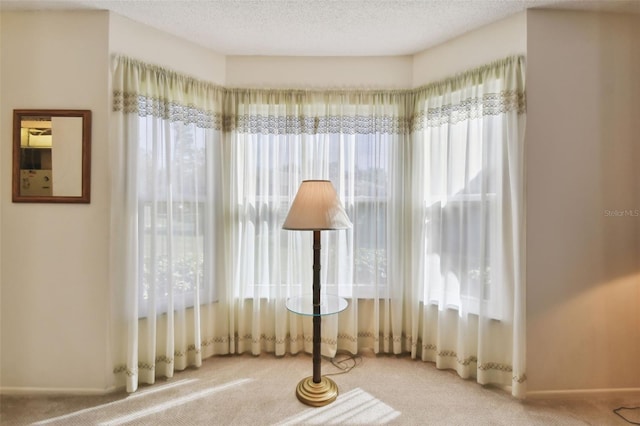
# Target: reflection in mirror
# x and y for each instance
(35, 156)
(51, 155)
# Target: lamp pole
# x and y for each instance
(316, 307)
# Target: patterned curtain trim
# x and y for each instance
(500, 367)
(192, 348)
(132, 103)
(520, 379)
(123, 369)
(407, 109)
(297, 125)
(487, 366)
(490, 104)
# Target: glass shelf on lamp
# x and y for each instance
(329, 305)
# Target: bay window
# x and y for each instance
(431, 178)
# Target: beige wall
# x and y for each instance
(393, 72)
(583, 265)
(54, 268)
(130, 38)
(473, 49)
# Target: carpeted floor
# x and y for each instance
(247, 390)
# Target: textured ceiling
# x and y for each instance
(318, 27)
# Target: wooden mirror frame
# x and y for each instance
(21, 114)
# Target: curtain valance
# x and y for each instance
(149, 90)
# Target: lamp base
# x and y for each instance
(317, 394)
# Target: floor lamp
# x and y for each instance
(316, 208)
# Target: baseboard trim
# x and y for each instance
(584, 393)
(55, 391)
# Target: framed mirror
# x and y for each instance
(51, 156)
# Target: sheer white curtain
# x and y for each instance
(432, 179)
(468, 225)
(278, 139)
(166, 222)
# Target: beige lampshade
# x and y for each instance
(316, 208)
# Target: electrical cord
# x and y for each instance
(344, 361)
(616, 411)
